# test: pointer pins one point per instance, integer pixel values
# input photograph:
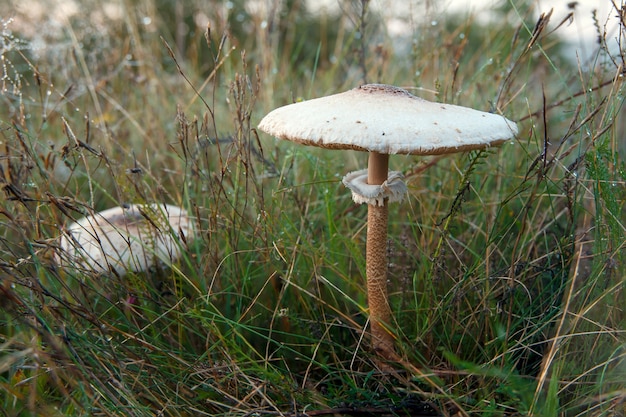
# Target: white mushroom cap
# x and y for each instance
(388, 120)
(126, 238)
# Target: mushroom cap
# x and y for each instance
(389, 120)
(123, 239)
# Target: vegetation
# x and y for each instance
(507, 265)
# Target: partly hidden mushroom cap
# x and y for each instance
(126, 239)
(389, 120)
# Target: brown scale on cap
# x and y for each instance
(384, 88)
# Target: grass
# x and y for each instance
(506, 266)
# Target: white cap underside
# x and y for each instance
(389, 120)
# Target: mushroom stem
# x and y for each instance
(376, 260)
(377, 168)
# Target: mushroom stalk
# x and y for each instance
(376, 260)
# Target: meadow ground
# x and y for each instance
(506, 265)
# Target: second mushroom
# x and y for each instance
(383, 120)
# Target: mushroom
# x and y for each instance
(383, 120)
(123, 239)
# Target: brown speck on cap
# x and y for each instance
(383, 88)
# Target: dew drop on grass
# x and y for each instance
(146, 20)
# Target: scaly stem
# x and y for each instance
(376, 261)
